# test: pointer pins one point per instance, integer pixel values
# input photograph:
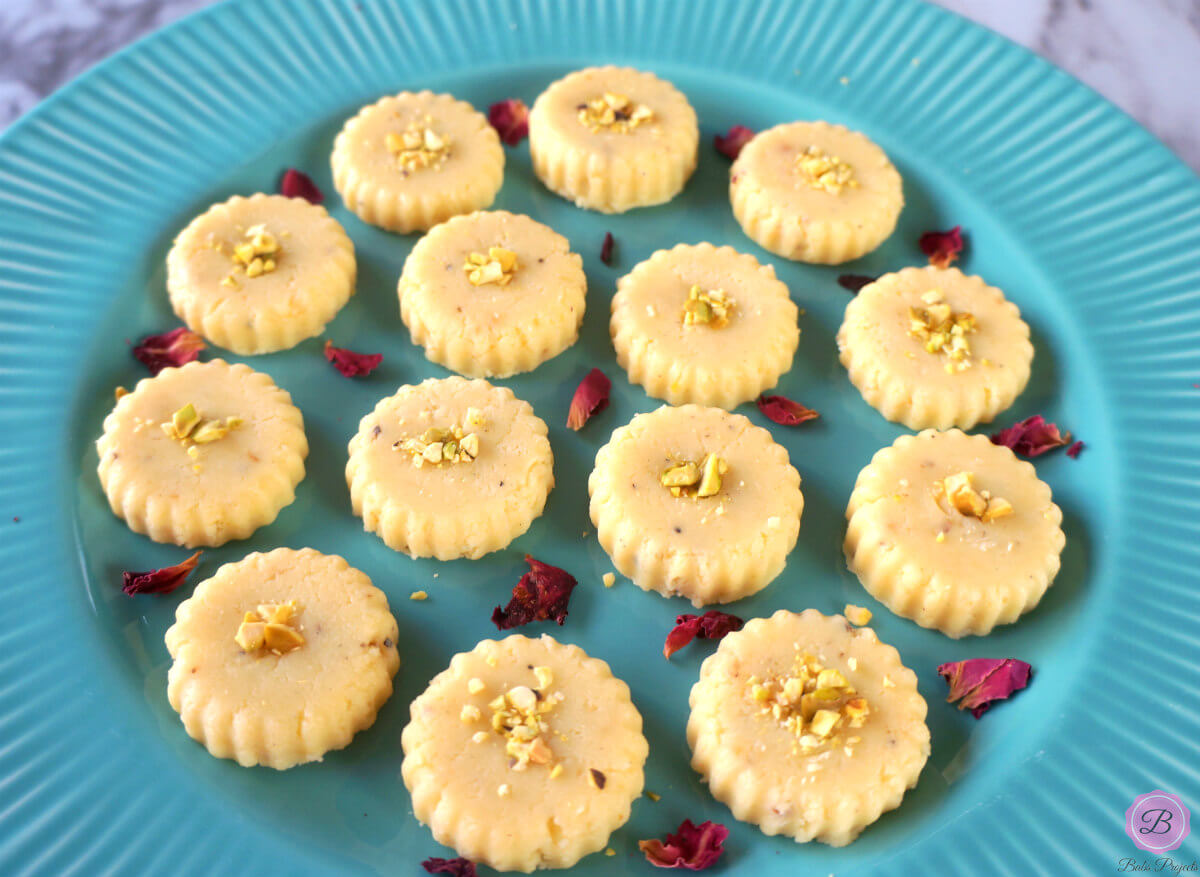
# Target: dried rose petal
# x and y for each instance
(942, 247)
(1032, 436)
(711, 625)
(542, 594)
(168, 350)
(159, 581)
(731, 144)
(785, 412)
(977, 683)
(296, 184)
(855, 282)
(459, 867)
(692, 847)
(1075, 449)
(606, 248)
(351, 364)
(510, 118)
(591, 397)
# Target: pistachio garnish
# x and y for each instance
(271, 627)
(519, 716)
(689, 478)
(943, 330)
(813, 703)
(254, 256)
(498, 266)
(188, 426)
(418, 147)
(962, 496)
(438, 445)
(613, 112)
(711, 308)
(824, 171)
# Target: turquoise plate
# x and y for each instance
(1090, 225)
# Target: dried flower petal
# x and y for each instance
(168, 350)
(731, 144)
(977, 683)
(591, 397)
(942, 247)
(459, 867)
(1075, 449)
(606, 248)
(542, 594)
(692, 847)
(855, 282)
(1032, 436)
(351, 364)
(785, 412)
(510, 118)
(159, 581)
(711, 625)
(296, 184)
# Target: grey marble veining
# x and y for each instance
(1143, 55)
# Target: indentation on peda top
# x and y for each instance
(498, 266)
(255, 256)
(613, 112)
(957, 493)
(712, 308)
(271, 627)
(444, 445)
(520, 717)
(815, 704)
(418, 147)
(824, 171)
(689, 478)
(943, 331)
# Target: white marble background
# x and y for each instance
(1143, 55)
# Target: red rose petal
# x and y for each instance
(855, 282)
(784, 411)
(542, 594)
(606, 249)
(459, 867)
(510, 118)
(942, 247)
(591, 397)
(159, 581)
(977, 683)
(168, 350)
(731, 144)
(1075, 449)
(692, 847)
(1032, 436)
(711, 625)
(351, 364)
(296, 184)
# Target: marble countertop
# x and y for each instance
(1143, 55)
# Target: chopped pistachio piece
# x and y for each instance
(498, 266)
(254, 255)
(417, 147)
(689, 478)
(857, 615)
(712, 308)
(189, 427)
(812, 702)
(270, 627)
(824, 171)
(520, 717)
(613, 113)
(943, 331)
(959, 491)
(438, 445)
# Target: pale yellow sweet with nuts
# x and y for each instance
(954, 532)
(704, 324)
(450, 468)
(695, 502)
(260, 274)
(202, 454)
(492, 294)
(933, 347)
(815, 192)
(523, 754)
(807, 727)
(613, 138)
(412, 160)
(281, 657)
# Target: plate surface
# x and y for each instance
(1090, 225)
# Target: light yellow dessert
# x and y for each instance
(202, 454)
(933, 347)
(815, 192)
(807, 727)
(704, 324)
(953, 532)
(523, 754)
(696, 502)
(492, 294)
(260, 274)
(412, 160)
(281, 657)
(450, 468)
(613, 138)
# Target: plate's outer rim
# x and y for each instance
(77, 171)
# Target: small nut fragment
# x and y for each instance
(609, 579)
(942, 330)
(475, 685)
(270, 628)
(695, 479)
(857, 615)
(614, 113)
(711, 309)
(522, 697)
(545, 677)
(824, 171)
(417, 147)
(470, 713)
(960, 492)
